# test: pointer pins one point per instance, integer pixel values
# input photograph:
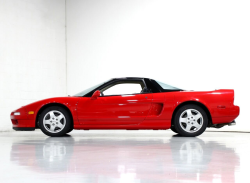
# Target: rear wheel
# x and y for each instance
(190, 120)
(70, 130)
(55, 121)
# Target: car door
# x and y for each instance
(128, 108)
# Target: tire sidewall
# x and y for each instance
(70, 130)
(177, 124)
(173, 129)
(66, 127)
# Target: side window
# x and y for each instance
(123, 88)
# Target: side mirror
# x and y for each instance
(95, 95)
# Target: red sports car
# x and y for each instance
(131, 104)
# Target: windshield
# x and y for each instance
(166, 86)
(84, 92)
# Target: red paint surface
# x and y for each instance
(139, 111)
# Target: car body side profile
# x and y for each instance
(130, 103)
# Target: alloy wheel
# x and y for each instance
(54, 121)
(191, 120)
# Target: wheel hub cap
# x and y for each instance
(191, 120)
(54, 121)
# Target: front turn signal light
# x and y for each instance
(16, 113)
(31, 112)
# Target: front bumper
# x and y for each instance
(22, 120)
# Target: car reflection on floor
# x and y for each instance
(142, 160)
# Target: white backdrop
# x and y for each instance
(197, 45)
(32, 53)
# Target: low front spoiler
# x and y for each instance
(24, 128)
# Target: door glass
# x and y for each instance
(123, 88)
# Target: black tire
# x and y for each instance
(68, 122)
(180, 129)
(70, 130)
(173, 129)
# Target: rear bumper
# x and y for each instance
(235, 111)
(220, 125)
(228, 115)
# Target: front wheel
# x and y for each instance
(55, 121)
(173, 129)
(190, 120)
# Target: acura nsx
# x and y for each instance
(130, 103)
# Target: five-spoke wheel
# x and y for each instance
(55, 121)
(190, 120)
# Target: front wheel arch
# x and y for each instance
(195, 103)
(53, 104)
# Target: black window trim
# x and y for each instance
(118, 82)
(155, 87)
(114, 81)
(162, 89)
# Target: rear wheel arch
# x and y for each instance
(195, 103)
(54, 104)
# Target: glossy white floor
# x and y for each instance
(125, 157)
